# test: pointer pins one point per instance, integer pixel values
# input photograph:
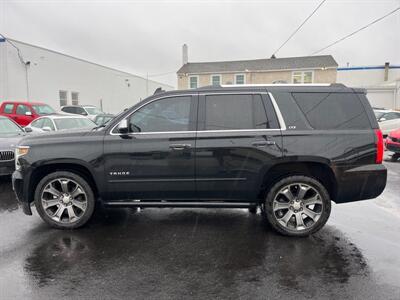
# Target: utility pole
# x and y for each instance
(147, 84)
(27, 64)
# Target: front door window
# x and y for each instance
(170, 114)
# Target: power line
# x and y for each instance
(298, 28)
(358, 30)
(18, 51)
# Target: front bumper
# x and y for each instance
(7, 167)
(361, 183)
(20, 189)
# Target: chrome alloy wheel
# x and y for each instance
(297, 206)
(64, 200)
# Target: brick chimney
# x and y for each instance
(184, 54)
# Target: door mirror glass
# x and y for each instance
(123, 127)
(28, 129)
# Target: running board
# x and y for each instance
(180, 204)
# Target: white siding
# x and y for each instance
(49, 72)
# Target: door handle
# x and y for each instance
(263, 143)
(180, 146)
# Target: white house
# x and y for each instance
(381, 82)
(32, 73)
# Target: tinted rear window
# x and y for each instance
(235, 112)
(333, 110)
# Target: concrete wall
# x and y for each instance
(320, 76)
(49, 72)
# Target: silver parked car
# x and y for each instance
(10, 134)
(59, 122)
(89, 111)
(388, 120)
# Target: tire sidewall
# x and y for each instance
(82, 182)
(269, 213)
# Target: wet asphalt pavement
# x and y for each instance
(203, 253)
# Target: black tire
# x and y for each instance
(395, 157)
(89, 200)
(273, 219)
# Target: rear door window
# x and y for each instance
(235, 112)
(333, 110)
(67, 109)
(8, 108)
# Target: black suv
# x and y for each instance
(289, 149)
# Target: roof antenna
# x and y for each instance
(158, 90)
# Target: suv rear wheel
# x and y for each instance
(297, 206)
(64, 200)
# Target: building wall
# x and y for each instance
(367, 76)
(380, 93)
(49, 72)
(320, 76)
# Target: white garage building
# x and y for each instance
(32, 73)
(382, 83)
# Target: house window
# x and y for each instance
(239, 79)
(75, 98)
(215, 80)
(303, 77)
(193, 82)
(63, 98)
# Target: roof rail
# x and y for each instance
(280, 84)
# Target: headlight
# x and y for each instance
(20, 151)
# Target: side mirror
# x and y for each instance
(28, 113)
(28, 130)
(84, 113)
(123, 127)
(382, 119)
(46, 128)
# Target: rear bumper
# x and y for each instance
(19, 187)
(361, 183)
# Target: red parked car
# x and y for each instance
(393, 144)
(24, 113)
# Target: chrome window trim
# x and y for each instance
(274, 104)
(281, 121)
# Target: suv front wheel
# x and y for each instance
(297, 206)
(64, 200)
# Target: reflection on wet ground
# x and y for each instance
(184, 253)
(7, 198)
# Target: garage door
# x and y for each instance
(381, 98)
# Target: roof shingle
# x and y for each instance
(271, 64)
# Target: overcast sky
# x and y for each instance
(146, 36)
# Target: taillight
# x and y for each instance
(379, 146)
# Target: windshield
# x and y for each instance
(378, 114)
(73, 123)
(8, 127)
(43, 109)
(91, 110)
